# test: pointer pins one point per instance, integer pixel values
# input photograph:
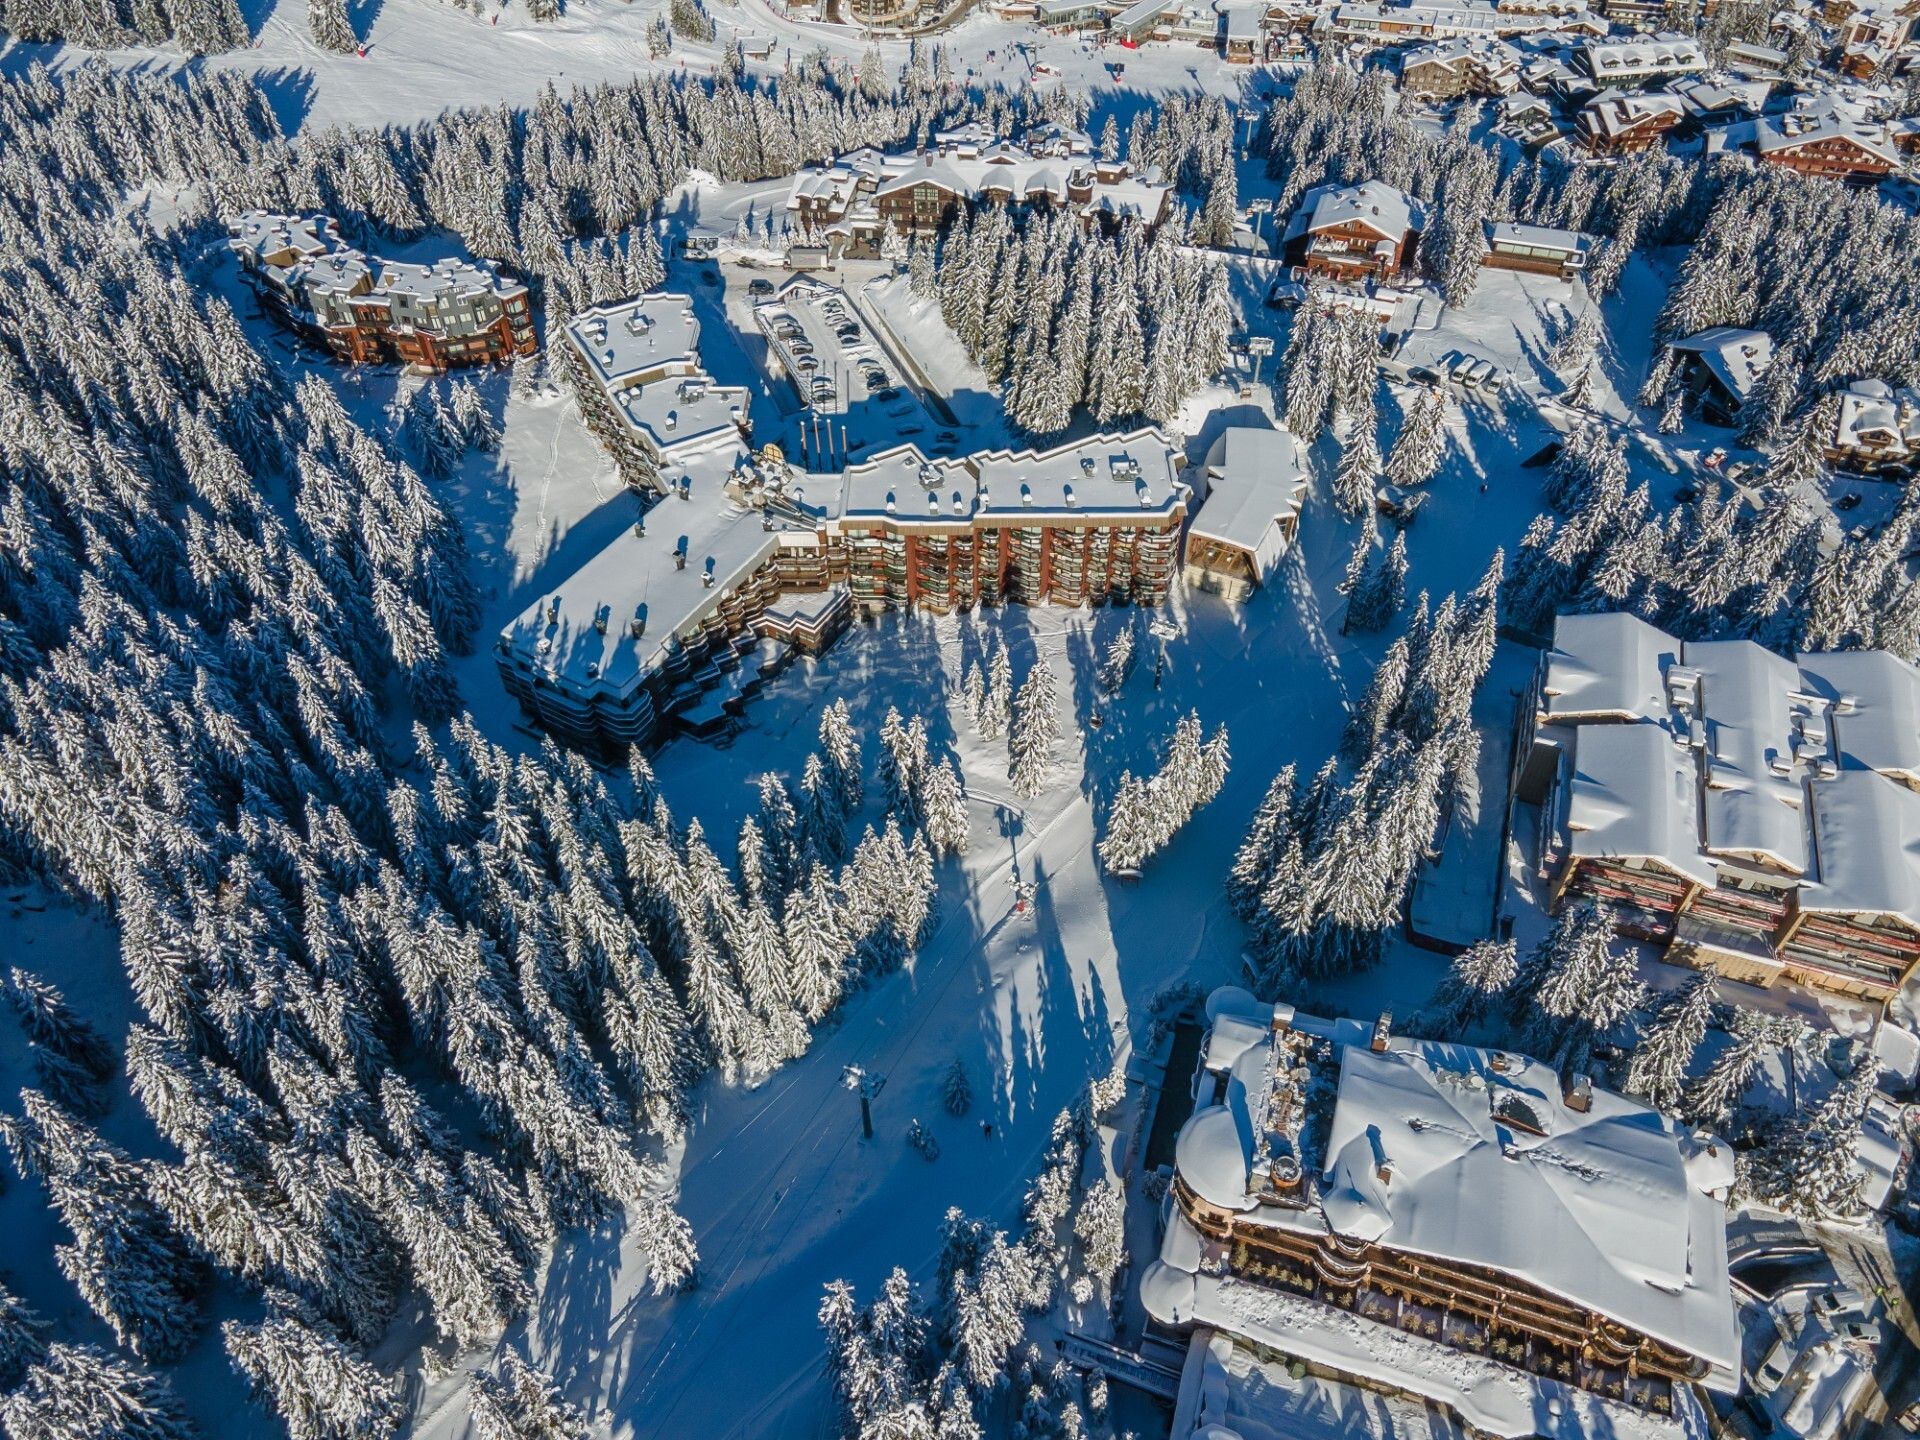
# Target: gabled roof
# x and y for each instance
(1734, 357)
(1372, 204)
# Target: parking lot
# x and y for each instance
(839, 369)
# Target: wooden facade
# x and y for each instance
(1464, 1306)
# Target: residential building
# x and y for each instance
(647, 399)
(1537, 249)
(1720, 367)
(740, 558)
(1092, 521)
(853, 201)
(1250, 516)
(1451, 68)
(1355, 232)
(1625, 124)
(1736, 806)
(1501, 1249)
(1413, 23)
(364, 310)
(1878, 430)
(1631, 64)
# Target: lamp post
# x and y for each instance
(867, 1085)
(1259, 347)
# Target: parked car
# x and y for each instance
(760, 286)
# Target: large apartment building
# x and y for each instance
(1737, 806)
(1466, 1235)
(365, 310)
(737, 548)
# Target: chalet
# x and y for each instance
(1826, 144)
(1633, 64)
(851, 203)
(1878, 429)
(1720, 367)
(1736, 806)
(1451, 68)
(1710, 102)
(1354, 232)
(1626, 124)
(1426, 1228)
(1527, 119)
(364, 310)
(1256, 485)
(1756, 62)
(1535, 249)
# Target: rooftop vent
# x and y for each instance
(553, 611)
(891, 506)
(1026, 494)
(1067, 494)
(959, 505)
(706, 576)
(601, 614)
(637, 626)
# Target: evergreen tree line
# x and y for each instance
(1823, 269)
(1577, 1003)
(199, 27)
(211, 586)
(1146, 814)
(1126, 325)
(1324, 869)
(1719, 567)
(920, 1368)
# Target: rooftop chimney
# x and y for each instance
(1577, 1092)
(1382, 1028)
(601, 615)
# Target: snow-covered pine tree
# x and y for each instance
(72, 1060)
(517, 1401)
(1670, 1040)
(1266, 836)
(1708, 1101)
(1133, 827)
(1034, 732)
(327, 23)
(1381, 592)
(1422, 441)
(996, 712)
(1812, 1167)
(126, 1260)
(1101, 1226)
(318, 1387)
(22, 1338)
(1118, 662)
(1359, 471)
(956, 1090)
(1475, 986)
(840, 755)
(78, 1391)
(944, 809)
(818, 947)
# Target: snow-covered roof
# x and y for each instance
(260, 233)
(1735, 755)
(1103, 475)
(1868, 829)
(1783, 134)
(1751, 804)
(1599, 1210)
(1715, 97)
(1256, 483)
(1373, 204)
(1474, 1158)
(633, 340)
(1610, 664)
(1664, 54)
(1507, 234)
(442, 281)
(1880, 420)
(1632, 793)
(1610, 116)
(1735, 357)
(1876, 707)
